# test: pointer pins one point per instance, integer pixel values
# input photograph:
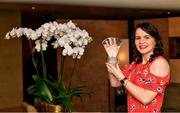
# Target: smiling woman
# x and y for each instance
(146, 78)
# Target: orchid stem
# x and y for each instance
(43, 64)
(61, 73)
(72, 74)
(43, 61)
(32, 55)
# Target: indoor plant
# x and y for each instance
(72, 40)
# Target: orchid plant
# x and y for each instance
(72, 40)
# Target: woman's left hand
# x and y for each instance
(115, 70)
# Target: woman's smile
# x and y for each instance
(143, 47)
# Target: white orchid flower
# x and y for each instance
(75, 50)
(79, 57)
(89, 39)
(67, 35)
(39, 44)
(63, 27)
(45, 26)
(55, 44)
(64, 52)
(69, 49)
(80, 42)
(33, 35)
(57, 37)
(55, 24)
(84, 33)
(81, 51)
(52, 28)
(19, 32)
(8, 35)
(73, 39)
(85, 42)
(63, 40)
(45, 33)
(44, 45)
(13, 33)
(47, 38)
(70, 24)
(74, 56)
(30, 34)
(39, 31)
(69, 31)
(77, 32)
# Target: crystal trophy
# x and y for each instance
(112, 45)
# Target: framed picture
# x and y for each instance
(174, 47)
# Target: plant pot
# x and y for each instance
(42, 106)
(51, 108)
(45, 107)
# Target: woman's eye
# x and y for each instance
(147, 37)
(137, 38)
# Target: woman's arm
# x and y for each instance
(159, 67)
(141, 94)
(113, 80)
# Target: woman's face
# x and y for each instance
(144, 42)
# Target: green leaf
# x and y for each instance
(31, 89)
(67, 102)
(43, 89)
(57, 88)
(78, 91)
(53, 84)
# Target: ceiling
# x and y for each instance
(152, 4)
(97, 9)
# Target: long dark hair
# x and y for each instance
(151, 30)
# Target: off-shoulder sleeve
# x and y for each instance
(155, 83)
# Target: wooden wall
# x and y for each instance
(91, 70)
(10, 62)
(174, 31)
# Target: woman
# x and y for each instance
(146, 78)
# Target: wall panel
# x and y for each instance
(10, 62)
(91, 70)
(174, 31)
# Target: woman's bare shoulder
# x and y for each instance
(160, 67)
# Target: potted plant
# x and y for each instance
(72, 40)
